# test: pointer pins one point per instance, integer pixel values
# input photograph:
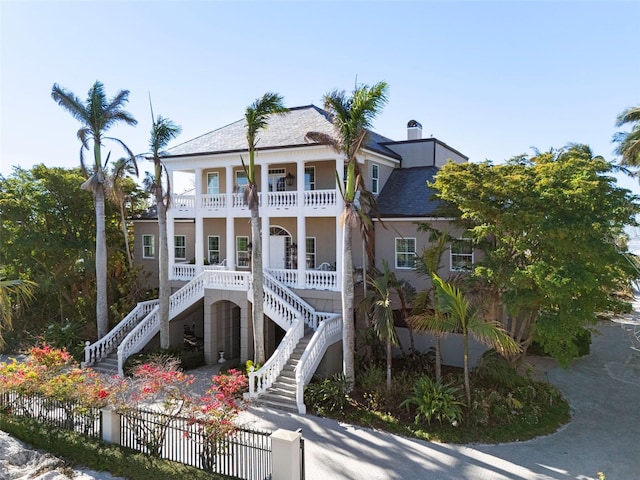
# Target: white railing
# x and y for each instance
(282, 199)
(215, 201)
(279, 310)
(261, 380)
(178, 303)
(329, 332)
(321, 280)
(287, 277)
(94, 352)
(183, 202)
(183, 271)
(320, 198)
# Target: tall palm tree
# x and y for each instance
(352, 117)
(459, 315)
(120, 168)
(12, 293)
(377, 303)
(629, 142)
(97, 114)
(257, 117)
(163, 131)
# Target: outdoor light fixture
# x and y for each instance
(289, 179)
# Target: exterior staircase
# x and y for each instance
(282, 393)
(108, 365)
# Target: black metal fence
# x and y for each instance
(242, 454)
(66, 415)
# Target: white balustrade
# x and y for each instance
(282, 200)
(320, 198)
(183, 202)
(321, 280)
(329, 331)
(183, 271)
(213, 201)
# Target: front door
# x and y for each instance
(277, 252)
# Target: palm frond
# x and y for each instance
(630, 115)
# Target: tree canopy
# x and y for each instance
(548, 227)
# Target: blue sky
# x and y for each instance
(491, 79)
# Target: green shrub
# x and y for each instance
(494, 370)
(435, 400)
(189, 359)
(328, 396)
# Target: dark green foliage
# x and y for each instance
(189, 359)
(577, 345)
(433, 400)
(66, 335)
(328, 396)
(96, 455)
(494, 370)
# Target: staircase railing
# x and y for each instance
(99, 350)
(328, 333)
(193, 291)
(308, 313)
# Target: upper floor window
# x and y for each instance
(242, 252)
(213, 183)
(277, 180)
(405, 252)
(461, 255)
(214, 249)
(309, 178)
(242, 181)
(148, 246)
(180, 243)
(375, 179)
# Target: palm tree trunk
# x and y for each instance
(258, 289)
(389, 362)
(164, 291)
(438, 356)
(467, 383)
(102, 307)
(348, 326)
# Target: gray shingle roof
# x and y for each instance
(287, 130)
(406, 194)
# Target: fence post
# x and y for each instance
(285, 451)
(110, 426)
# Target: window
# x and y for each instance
(310, 249)
(241, 181)
(213, 183)
(461, 255)
(214, 249)
(346, 172)
(375, 179)
(180, 244)
(148, 246)
(242, 252)
(277, 180)
(405, 252)
(309, 178)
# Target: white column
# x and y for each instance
(230, 225)
(264, 215)
(266, 227)
(171, 240)
(286, 451)
(302, 250)
(199, 252)
(339, 210)
(110, 426)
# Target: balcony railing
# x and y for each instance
(224, 204)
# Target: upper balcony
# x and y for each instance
(307, 203)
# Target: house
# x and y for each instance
(300, 208)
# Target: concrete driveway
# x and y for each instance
(603, 390)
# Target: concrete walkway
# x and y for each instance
(603, 390)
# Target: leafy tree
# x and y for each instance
(97, 114)
(547, 226)
(257, 118)
(13, 293)
(352, 117)
(119, 191)
(163, 131)
(377, 303)
(629, 142)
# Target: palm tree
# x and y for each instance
(459, 315)
(163, 131)
(12, 293)
(378, 304)
(352, 117)
(119, 170)
(97, 114)
(257, 118)
(629, 142)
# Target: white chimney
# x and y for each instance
(414, 130)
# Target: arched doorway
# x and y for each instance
(281, 253)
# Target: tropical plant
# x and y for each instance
(434, 400)
(163, 130)
(459, 315)
(13, 293)
(377, 304)
(97, 114)
(352, 116)
(629, 142)
(118, 193)
(257, 118)
(329, 395)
